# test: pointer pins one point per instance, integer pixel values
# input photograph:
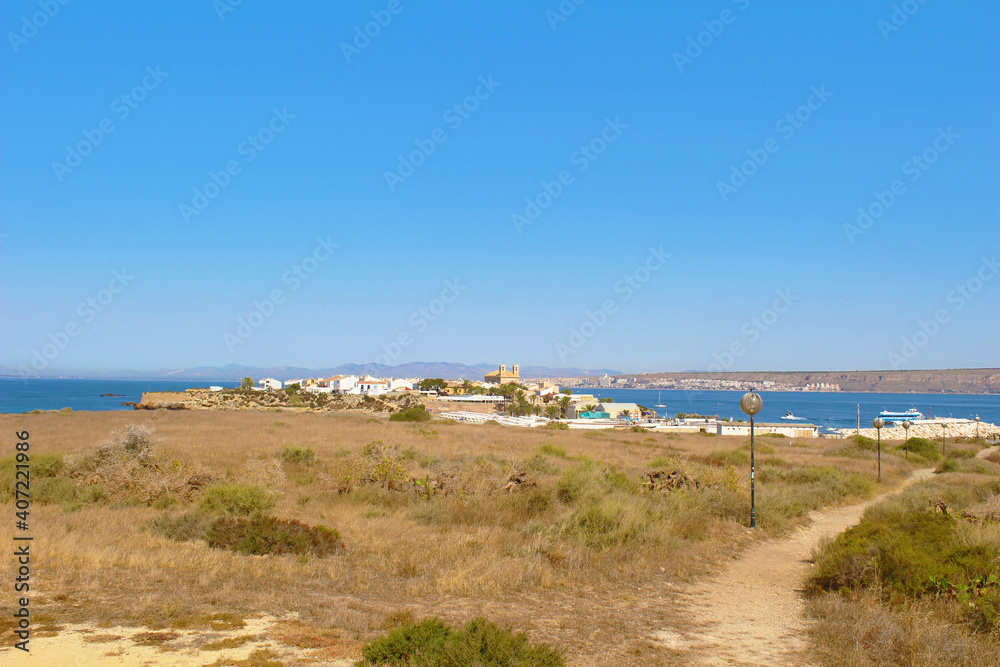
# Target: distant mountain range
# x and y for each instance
(414, 369)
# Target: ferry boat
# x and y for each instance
(890, 416)
(790, 417)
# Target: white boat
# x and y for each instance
(890, 417)
(659, 403)
(790, 417)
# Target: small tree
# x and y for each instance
(246, 384)
(552, 411)
(293, 388)
(432, 384)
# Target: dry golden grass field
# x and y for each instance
(550, 532)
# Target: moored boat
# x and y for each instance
(891, 416)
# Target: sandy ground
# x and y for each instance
(753, 612)
(90, 646)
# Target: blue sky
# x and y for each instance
(643, 109)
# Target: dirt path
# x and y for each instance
(753, 613)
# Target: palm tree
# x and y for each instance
(589, 407)
(626, 413)
(552, 411)
(564, 405)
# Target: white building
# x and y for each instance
(270, 384)
(605, 381)
(372, 387)
(615, 410)
(401, 384)
(340, 384)
(787, 430)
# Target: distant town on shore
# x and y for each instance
(947, 381)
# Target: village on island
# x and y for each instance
(504, 397)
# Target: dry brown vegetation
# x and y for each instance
(551, 532)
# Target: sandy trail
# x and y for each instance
(753, 613)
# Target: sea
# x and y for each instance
(826, 409)
(831, 410)
(28, 394)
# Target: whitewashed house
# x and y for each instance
(270, 384)
(372, 387)
(400, 384)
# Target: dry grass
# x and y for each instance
(859, 631)
(581, 559)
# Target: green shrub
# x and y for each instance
(928, 449)
(292, 455)
(47, 486)
(264, 535)
(948, 465)
(903, 548)
(734, 457)
(864, 444)
(553, 450)
(184, 528)
(960, 454)
(417, 413)
(236, 500)
(432, 643)
(772, 435)
(561, 426)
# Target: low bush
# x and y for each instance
(46, 485)
(733, 457)
(948, 465)
(904, 548)
(184, 528)
(960, 454)
(928, 449)
(127, 468)
(236, 500)
(303, 456)
(416, 413)
(553, 450)
(560, 426)
(265, 535)
(432, 643)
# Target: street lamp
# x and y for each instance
(906, 447)
(878, 424)
(977, 428)
(943, 438)
(751, 403)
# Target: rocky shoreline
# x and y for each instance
(930, 429)
(232, 399)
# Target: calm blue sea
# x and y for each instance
(27, 394)
(833, 410)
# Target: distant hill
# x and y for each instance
(955, 381)
(415, 369)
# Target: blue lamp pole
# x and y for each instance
(751, 403)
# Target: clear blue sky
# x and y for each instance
(199, 81)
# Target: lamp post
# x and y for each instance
(751, 403)
(943, 437)
(906, 447)
(878, 424)
(977, 427)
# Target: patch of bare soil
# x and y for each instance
(263, 641)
